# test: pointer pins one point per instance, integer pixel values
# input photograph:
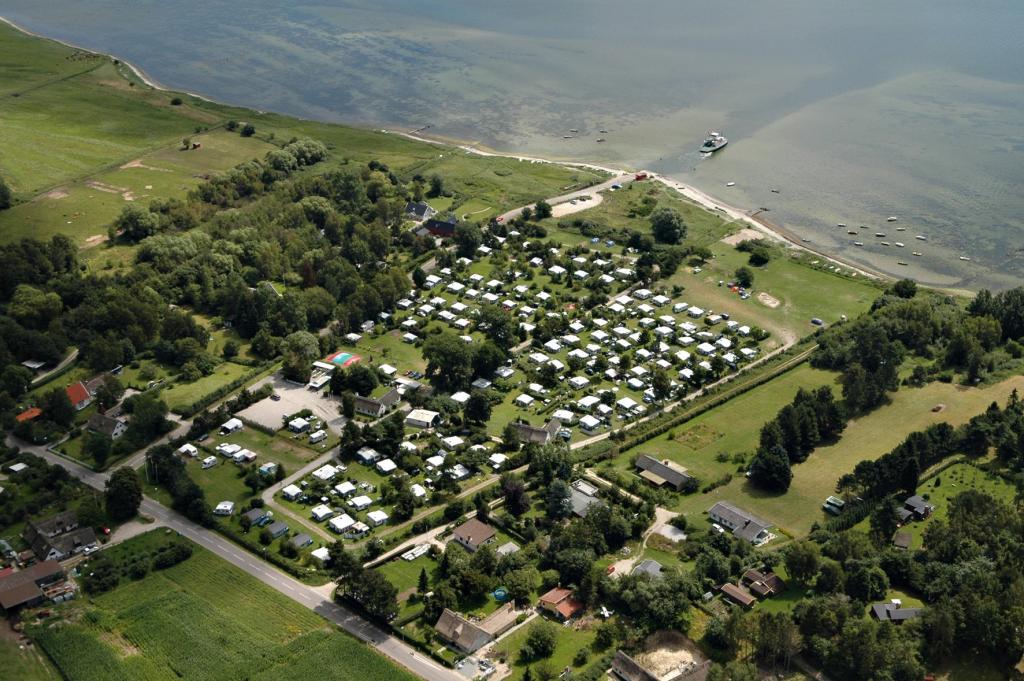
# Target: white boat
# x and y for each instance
(965, 258)
(880, 234)
(891, 218)
(885, 243)
(900, 262)
(730, 184)
(921, 237)
(858, 243)
(841, 224)
(917, 253)
(899, 244)
(901, 229)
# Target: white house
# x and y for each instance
(367, 455)
(377, 518)
(589, 423)
(341, 523)
(627, 404)
(188, 450)
(345, 489)
(386, 467)
(524, 400)
(325, 472)
(706, 349)
(291, 492)
(460, 397)
(497, 460)
(418, 491)
(298, 425)
(360, 503)
(564, 415)
(321, 512)
(232, 425)
(422, 418)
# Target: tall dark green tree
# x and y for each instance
(123, 494)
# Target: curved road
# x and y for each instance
(302, 594)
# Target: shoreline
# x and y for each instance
(774, 232)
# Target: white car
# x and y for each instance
(718, 528)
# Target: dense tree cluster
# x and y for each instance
(812, 418)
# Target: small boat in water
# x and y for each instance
(713, 142)
(917, 253)
(891, 218)
(730, 184)
(965, 258)
(851, 231)
(858, 243)
(880, 234)
(841, 224)
(901, 262)
(573, 130)
(901, 229)
(899, 244)
(921, 237)
(600, 139)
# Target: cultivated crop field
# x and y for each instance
(203, 619)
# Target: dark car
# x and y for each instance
(275, 397)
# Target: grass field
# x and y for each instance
(570, 640)
(23, 663)
(180, 395)
(866, 438)
(203, 619)
(802, 291)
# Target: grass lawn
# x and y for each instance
(182, 395)
(23, 663)
(405, 574)
(570, 640)
(866, 438)
(731, 428)
(203, 619)
(801, 291)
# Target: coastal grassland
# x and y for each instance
(202, 619)
(23, 663)
(70, 121)
(630, 208)
(83, 208)
(867, 437)
(802, 291)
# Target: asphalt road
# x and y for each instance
(302, 594)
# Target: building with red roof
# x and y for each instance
(29, 414)
(560, 603)
(79, 395)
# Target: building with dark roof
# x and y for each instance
(918, 507)
(737, 595)
(377, 407)
(661, 473)
(107, 425)
(742, 524)
(649, 567)
(58, 537)
(419, 211)
(257, 516)
(25, 588)
(301, 541)
(894, 612)
(460, 633)
(441, 226)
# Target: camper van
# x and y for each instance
(209, 462)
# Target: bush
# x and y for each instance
(248, 130)
(176, 101)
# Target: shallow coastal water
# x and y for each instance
(852, 111)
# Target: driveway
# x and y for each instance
(294, 398)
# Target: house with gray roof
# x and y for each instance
(662, 473)
(741, 523)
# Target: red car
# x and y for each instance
(500, 218)
(611, 569)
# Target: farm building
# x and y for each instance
(422, 418)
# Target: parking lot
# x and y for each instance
(293, 398)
